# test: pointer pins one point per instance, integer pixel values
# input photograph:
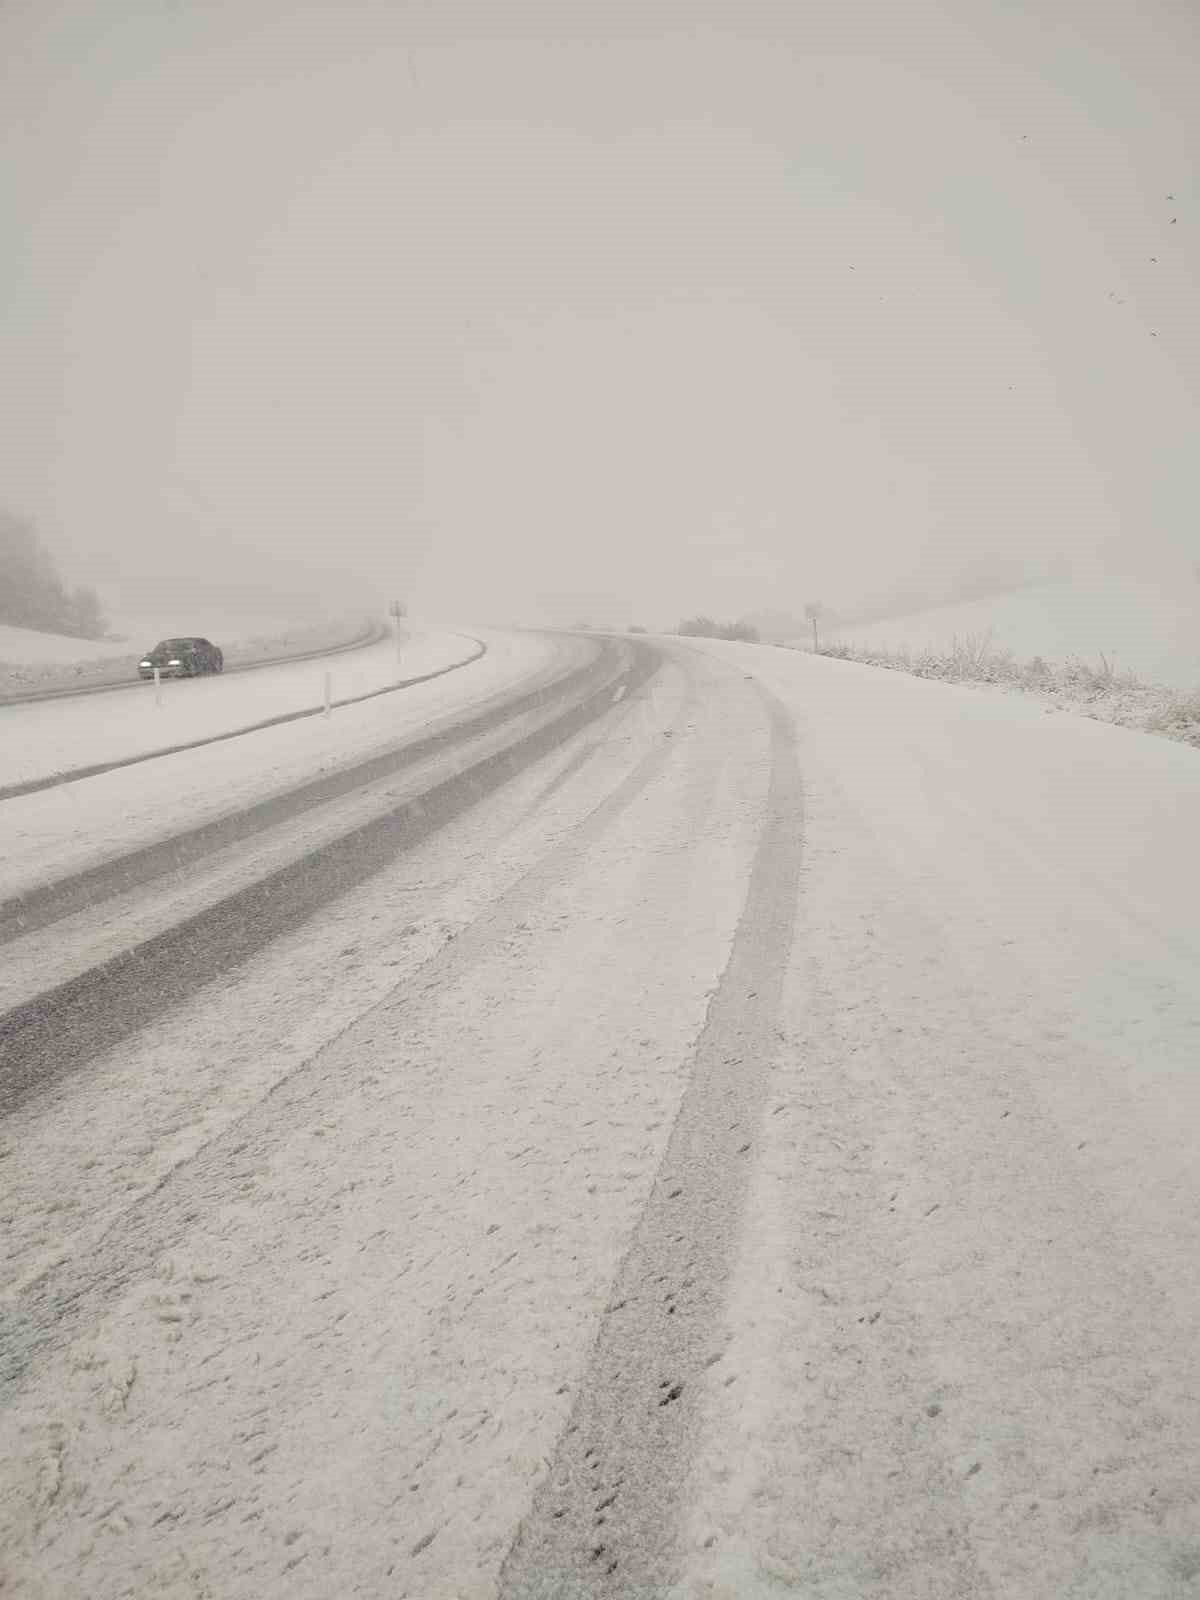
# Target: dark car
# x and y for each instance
(181, 658)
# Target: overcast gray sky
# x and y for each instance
(543, 309)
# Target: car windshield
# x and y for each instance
(172, 645)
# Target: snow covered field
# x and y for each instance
(26, 645)
(323, 1252)
(1151, 629)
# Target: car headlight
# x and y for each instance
(145, 663)
(174, 662)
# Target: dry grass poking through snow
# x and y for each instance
(1099, 690)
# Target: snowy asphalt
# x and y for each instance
(77, 774)
(597, 1523)
(36, 908)
(60, 1030)
(752, 1151)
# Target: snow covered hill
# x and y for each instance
(127, 634)
(1151, 629)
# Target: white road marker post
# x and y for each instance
(157, 687)
(328, 694)
(396, 611)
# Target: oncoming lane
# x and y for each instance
(61, 832)
(41, 739)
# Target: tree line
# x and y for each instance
(33, 595)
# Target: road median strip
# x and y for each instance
(64, 1027)
(13, 791)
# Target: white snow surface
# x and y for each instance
(1148, 627)
(29, 645)
(54, 833)
(41, 738)
(129, 633)
(963, 1328)
(388, 1171)
(113, 662)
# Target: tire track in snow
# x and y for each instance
(603, 1523)
(62, 1029)
(54, 1308)
(55, 780)
(47, 903)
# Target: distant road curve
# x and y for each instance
(76, 774)
(372, 634)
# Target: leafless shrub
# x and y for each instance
(709, 628)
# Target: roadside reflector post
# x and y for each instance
(157, 687)
(396, 611)
(328, 694)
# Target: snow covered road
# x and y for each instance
(60, 832)
(42, 739)
(754, 1151)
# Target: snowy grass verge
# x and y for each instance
(32, 677)
(1098, 690)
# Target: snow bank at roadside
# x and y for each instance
(1151, 629)
(1099, 691)
(30, 661)
(971, 1237)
